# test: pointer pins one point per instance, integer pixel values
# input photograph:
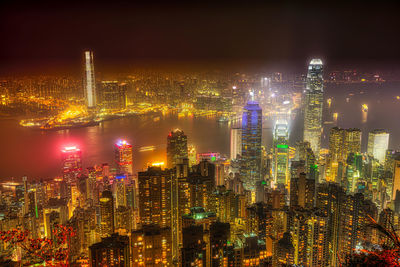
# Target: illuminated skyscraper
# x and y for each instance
(351, 142)
(378, 143)
(106, 214)
(281, 153)
(111, 251)
(123, 157)
(396, 178)
(120, 190)
(336, 136)
(192, 155)
(90, 82)
(180, 204)
(71, 163)
(250, 169)
(177, 148)
(155, 197)
(151, 246)
(236, 142)
(314, 97)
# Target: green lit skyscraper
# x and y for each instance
(314, 97)
(281, 152)
(250, 169)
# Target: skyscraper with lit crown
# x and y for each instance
(250, 167)
(281, 153)
(123, 157)
(71, 163)
(90, 82)
(314, 97)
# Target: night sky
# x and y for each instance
(40, 34)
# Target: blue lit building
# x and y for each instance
(250, 169)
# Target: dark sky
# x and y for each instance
(53, 33)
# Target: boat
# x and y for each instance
(364, 108)
(147, 148)
(223, 119)
(66, 126)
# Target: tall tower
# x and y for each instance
(71, 163)
(177, 148)
(26, 197)
(106, 214)
(236, 142)
(250, 167)
(378, 143)
(314, 97)
(90, 82)
(123, 157)
(281, 152)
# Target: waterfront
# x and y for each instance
(37, 153)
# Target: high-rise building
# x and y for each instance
(281, 153)
(192, 155)
(314, 98)
(26, 196)
(71, 163)
(236, 142)
(177, 148)
(250, 164)
(336, 136)
(90, 82)
(151, 246)
(351, 142)
(120, 190)
(378, 143)
(106, 214)
(155, 197)
(396, 178)
(180, 203)
(113, 95)
(302, 191)
(111, 251)
(342, 143)
(123, 157)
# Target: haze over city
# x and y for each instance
(199, 134)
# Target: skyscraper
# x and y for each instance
(250, 169)
(106, 213)
(378, 143)
(123, 157)
(281, 152)
(176, 147)
(111, 251)
(71, 163)
(90, 82)
(236, 142)
(351, 142)
(314, 97)
(155, 197)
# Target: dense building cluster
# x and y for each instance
(283, 205)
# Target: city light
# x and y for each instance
(199, 136)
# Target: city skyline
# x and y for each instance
(199, 134)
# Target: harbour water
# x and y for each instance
(37, 154)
